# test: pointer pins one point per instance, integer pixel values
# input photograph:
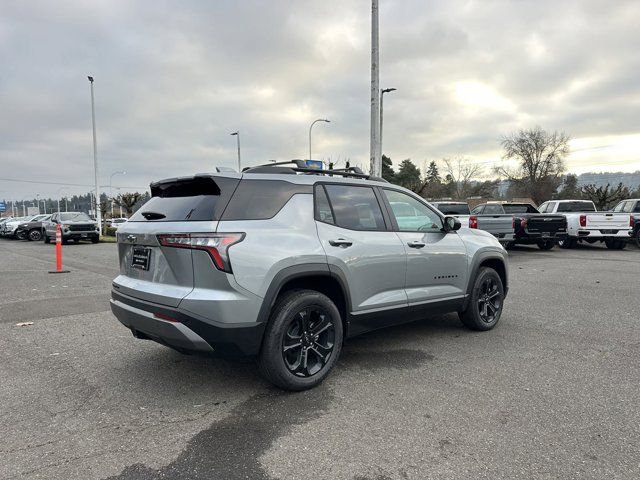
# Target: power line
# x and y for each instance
(64, 184)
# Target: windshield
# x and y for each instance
(74, 217)
(453, 208)
(576, 207)
(519, 208)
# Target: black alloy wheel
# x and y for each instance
(308, 342)
(486, 301)
(489, 300)
(35, 235)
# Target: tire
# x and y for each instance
(567, 243)
(546, 245)
(22, 235)
(34, 235)
(614, 244)
(509, 245)
(47, 238)
(487, 294)
(95, 239)
(285, 367)
(637, 237)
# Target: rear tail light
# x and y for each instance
(524, 222)
(632, 221)
(473, 221)
(583, 220)
(215, 244)
(167, 318)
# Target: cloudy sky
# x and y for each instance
(173, 79)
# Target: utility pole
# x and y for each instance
(311, 127)
(95, 159)
(375, 159)
(237, 135)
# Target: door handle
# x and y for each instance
(340, 242)
(416, 244)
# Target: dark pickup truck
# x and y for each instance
(530, 226)
(631, 206)
(32, 230)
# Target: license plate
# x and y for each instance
(140, 258)
(83, 235)
(609, 232)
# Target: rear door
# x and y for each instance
(160, 274)
(360, 245)
(436, 261)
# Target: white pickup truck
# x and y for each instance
(585, 224)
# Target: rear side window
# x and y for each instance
(637, 209)
(355, 208)
(477, 210)
(576, 207)
(323, 209)
(492, 210)
(187, 199)
(261, 199)
(518, 208)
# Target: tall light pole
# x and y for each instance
(237, 135)
(375, 159)
(38, 200)
(382, 92)
(122, 172)
(95, 159)
(310, 127)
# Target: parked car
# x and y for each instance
(33, 230)
(10, 227)
(631, 206)
(585, 224)
(530, 226)
(285, 262)
(499, 225)
(115, 222)
(74, 226)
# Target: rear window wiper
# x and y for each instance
(153, 215)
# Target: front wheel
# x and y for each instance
(95, 239)
(21, 235)
(302, 341)
(47, 238)
(35, 235)
(546, 245)
(637, 237)
(485, 305)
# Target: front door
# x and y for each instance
(436, 261)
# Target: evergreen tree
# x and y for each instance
(408, 175)
(388, 173)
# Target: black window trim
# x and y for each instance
(385, 215)
(392, 218)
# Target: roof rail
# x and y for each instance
(301, 166)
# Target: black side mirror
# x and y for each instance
(451, 224)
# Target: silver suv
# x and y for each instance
(284, 262)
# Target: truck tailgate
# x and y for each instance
(608, 221)
(496, 224)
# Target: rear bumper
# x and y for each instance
(504, 237)
(535, 237)
(604, 234)
(187, 332)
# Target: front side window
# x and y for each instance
(477, 210)
(637, 209)
(355, 208)
(412, 215)
(618, 208)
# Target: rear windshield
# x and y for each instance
(454, 208)
(576, 207)
(74, 217)
(519, 208)
(187, 199)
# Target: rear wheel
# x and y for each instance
(47, 238)
(546, 245)
(615, 244)
(302, 341)
(485, 305)
(35, 235)
(509, 245)
(567, 243)
(637, 237)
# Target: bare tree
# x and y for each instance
(461, 171)
(606, 197)
(541, 161)
(127, 201)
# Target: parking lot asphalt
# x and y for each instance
(551, 392)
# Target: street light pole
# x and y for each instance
(95, 159)
(237, 135)
(310, 127)
(111, 188)
(386, 90)
(375, 159)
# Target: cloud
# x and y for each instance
(173, 81)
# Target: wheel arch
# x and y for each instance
(316, 277)
(494, 261)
